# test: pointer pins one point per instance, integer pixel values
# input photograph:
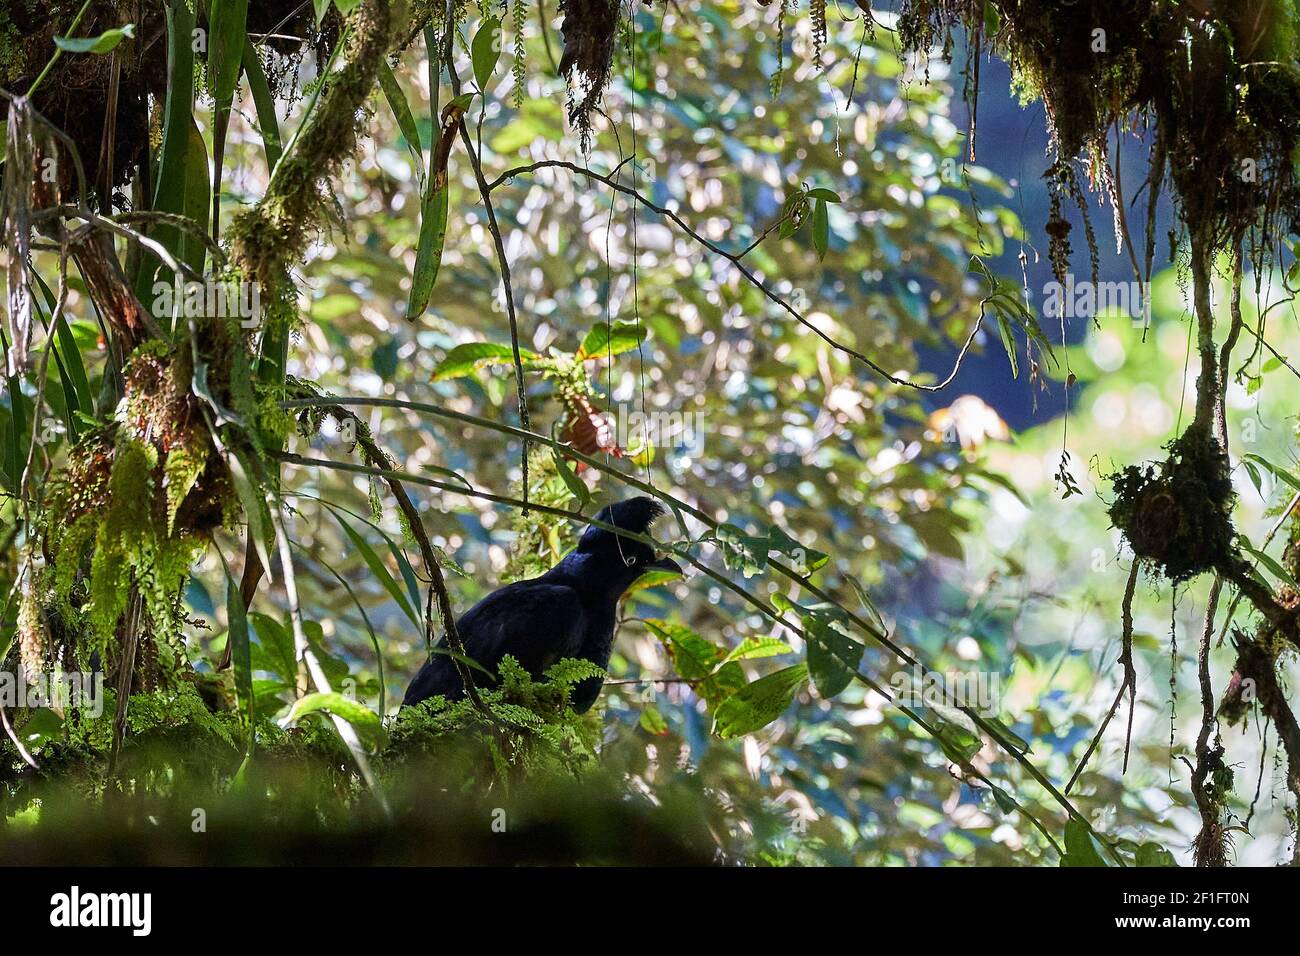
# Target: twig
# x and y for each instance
(503, 262)
(1130, 681)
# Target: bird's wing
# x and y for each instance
(537, 623)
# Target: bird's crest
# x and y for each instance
(635, 515)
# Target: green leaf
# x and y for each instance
(806, 560)
(1004, 800)
(183, 181)
(693, 656)
(1153, 854)
(468, 358)
(821, 232)
(833, 656)
(321, 7)
(1279, 572)
(740, 551)
(379, 570)
(652, 722)
(274, 651)
(227, 19)
(756, 705)
(402, 113)
(428, 252)
(824, 195)
(1280, 473)
(485, 51)
(753, 648)
(1081, 847)
(106, 42)
(240, 652)
(255, 509)
(462, 102)
(609, 339)
(363, 720)
(652, 579)
(577, 487)
(1009, 735)
(268, 122)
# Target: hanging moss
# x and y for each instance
(1178, 516)
(1218, 81)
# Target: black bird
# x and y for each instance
(566, 612)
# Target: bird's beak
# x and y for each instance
(666, 564)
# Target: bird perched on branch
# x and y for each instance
(567, 612)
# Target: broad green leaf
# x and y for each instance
(1004, 800)
(608, 339)
(240, 651)
(462, 102)
(821, 231)
(1280, 473)
(1153, 854)
(364, 720)
(106, 42)
(806, 560)
(227, 40)
(227, 19)
(468, 358)
(405, 119)
(379, 570)
(268, 122)
(833, 656)
(183, 182)
(756, 705)
(824, 195)
(255, 509)
(321, 7)
(577, 487)
(753, 648)
(693, 656)
(1081, 847)
(1279, 572)
(485, 51)
(428, 251)
(274, 651)
(1009, 735)
(652, 722)
(652, 579)
(740, 551)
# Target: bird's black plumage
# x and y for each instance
(567, 612)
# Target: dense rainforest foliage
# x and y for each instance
(325, 319)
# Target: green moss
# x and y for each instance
(1178, 517)
(536, 730)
